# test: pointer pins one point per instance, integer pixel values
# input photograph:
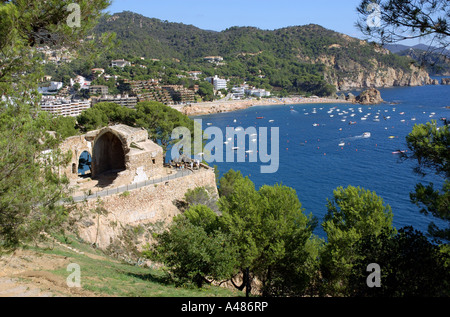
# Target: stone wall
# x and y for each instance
(77, 145)
(146, 206)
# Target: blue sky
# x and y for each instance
(218, 15)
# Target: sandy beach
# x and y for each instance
(204, 108)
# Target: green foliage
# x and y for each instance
(265, 236)
(104, 113)
(160, 120)
(193, 255)
(201, 196)
(31, 190)
(203, 216)
(411, 266)
(226, 183)
(206, 91)
(430, 148)
(353, 214)
(64, 126)
(263, 232)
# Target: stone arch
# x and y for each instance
(108, 153)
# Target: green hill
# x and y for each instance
(298, 59)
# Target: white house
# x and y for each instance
(54, 87)
(120, 63)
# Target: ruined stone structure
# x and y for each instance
(122, 153)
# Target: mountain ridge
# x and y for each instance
(295, 58)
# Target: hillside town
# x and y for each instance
(82, 92)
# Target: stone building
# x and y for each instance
(120, 155)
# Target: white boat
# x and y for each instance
(367, 135)
(364, 118)
(235, 148)
(271, 121)
(342, 144)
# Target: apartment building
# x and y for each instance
(217, 82)
(98, 90)
(122, 100)
(180, 94)
(64, 107)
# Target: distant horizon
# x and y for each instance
(262, 14)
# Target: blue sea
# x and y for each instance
(320, 150)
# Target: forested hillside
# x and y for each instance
(298, 59)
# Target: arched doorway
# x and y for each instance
(108, 156)
(84, 164)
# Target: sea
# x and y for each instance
(325, 146)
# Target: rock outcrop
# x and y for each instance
(351, 97)
(370, 96)
(352, 75)
(445, 81)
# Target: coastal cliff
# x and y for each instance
(349, 73)
(382, 78)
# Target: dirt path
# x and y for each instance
(25, 273)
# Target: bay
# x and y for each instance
(314, 161)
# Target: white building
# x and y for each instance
(120, 63)
(238, 93)
(217, 82)
(257, 92)
(64, 107)
(213, 59)
(194, 74)
(52, 88)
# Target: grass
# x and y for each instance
(106, 276)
